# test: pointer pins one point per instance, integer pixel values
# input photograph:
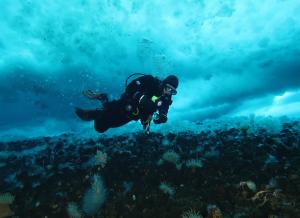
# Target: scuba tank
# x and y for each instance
(129, 108)
(141, 74)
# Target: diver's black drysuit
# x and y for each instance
(143, 96)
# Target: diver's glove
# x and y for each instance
(160, 118)
(146, 105)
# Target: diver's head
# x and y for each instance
(170, 85)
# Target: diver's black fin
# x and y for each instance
(103, 98)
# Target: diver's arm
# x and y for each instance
(94, 95)
(163, 105)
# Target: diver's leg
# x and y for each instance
(109, 121)
(113, 116)
(88, 115)
(101, 126)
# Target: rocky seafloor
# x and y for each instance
(232, 172)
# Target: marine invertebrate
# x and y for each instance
(263, 197)
(213, 211)
(246, 188)
(171, 156)
(73, 211)
(94, 197)
(100, 159)
(270, 161)
(167, 189)
(6, 198)
(191, 214)
(194, 163)
(274, 198)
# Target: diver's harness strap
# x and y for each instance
(133, 107)
(136, 113)
(140, 99)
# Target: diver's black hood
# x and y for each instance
(172, 80)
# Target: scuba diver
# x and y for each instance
(146, 98)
